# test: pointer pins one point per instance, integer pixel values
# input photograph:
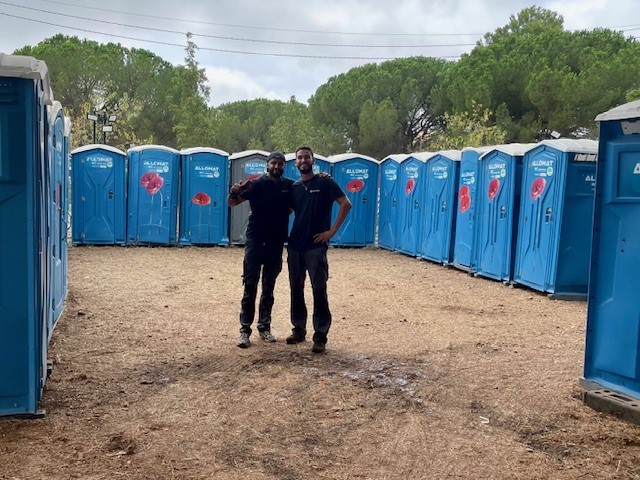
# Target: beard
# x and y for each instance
(305, 168)
(275, 173)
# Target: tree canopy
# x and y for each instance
(528, 76)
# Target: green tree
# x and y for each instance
(379, 128)
(467, 129)
(406, 85)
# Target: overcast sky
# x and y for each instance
(281, 48)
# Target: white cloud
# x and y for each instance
(230, 85)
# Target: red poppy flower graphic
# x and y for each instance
(155, 184)
(537, 187)
(355, 186)
(147, 177)
(411, 183)
(201, 198)
(494, 187)
(465, 203)
(463, 192)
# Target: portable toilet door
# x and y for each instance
(204, 215)
(320, 164)
(498, 210)
(57, 225)
(245, 165)
(440, 196)
(99, 195)
(463, 245)
(357, 175)
(24, 202)
(556, 217)
(410, 205)
(390, 189)
(613, 312)
(152, 206)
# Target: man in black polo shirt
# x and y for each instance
(312, 199)
(269, 197)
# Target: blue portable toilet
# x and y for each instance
(204, 215)
(99, 195)
(358, 176)
(320, 164)
(152, 199)
(556, 217)
(24, 94)
(390, 189)
(58, 178)
(411, 191)
(440, 196)
(245, 165)
(498, 209)
(612, 365)
(463, 245)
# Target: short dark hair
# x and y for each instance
(304, 147)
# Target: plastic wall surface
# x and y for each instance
(498, 210)
(410, 210)
(24, 268)
(555, 221)
(152, 206)
(440, 198)
(612, 356)
(357, 175)
(99, 195)
(389, 188)
(204, 215)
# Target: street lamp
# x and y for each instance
(101, 117)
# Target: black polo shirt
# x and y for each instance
(312, 203)
(269, 217)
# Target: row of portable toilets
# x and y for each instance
(155, 195)
(516, 213)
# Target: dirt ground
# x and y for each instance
(429, 374)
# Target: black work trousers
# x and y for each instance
(268, 258)
(315, 262)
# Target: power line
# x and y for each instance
(253, 27)
(221, 50)
(218, 37)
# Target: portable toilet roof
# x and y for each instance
(513, 149)
(582, 145)
(398, 157)
(21, 66)
(192, 150)
(248, 153)
(96, 146)
(455, 155)
(140, 148)
(424, 156)
(292, 156)
(347, 156)
(621, 112)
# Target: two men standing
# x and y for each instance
(311, 198)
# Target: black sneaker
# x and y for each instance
(295, 338)
(243, 341)
(318, 347)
